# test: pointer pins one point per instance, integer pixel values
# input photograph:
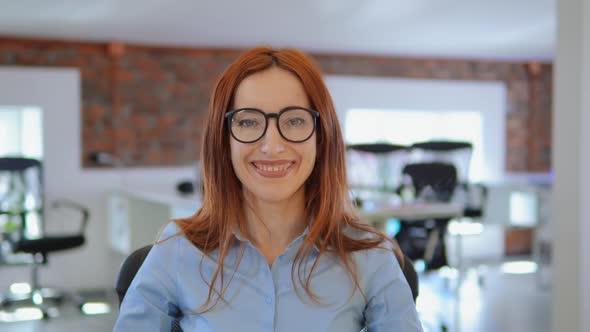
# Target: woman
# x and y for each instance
(276, 245)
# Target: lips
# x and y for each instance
(273, 169)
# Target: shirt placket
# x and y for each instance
(268, 300)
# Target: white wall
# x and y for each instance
(57, 93)
(571, 161)
(349, 92)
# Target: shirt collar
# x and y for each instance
(240, 237)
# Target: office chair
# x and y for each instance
(457, 153)
(128, 271)
(134, 261)
(373, 170)
(21, 202)
(376, 147)
(425, 239)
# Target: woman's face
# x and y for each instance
(272, 169)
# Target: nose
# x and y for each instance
(272, 141)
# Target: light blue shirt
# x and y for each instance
(262, 297)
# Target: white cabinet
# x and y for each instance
(136, 218)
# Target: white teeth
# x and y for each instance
(273, 168)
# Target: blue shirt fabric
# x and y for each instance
(260, 297)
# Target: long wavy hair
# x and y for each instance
(327, 198)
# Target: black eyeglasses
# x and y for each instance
(295, 124)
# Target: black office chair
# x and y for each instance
(476, 200)
(377, 148)
(133, 262)
(424, 239)
(21, 202)
(374, 170)
(457, 153)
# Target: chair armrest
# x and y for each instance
(75, 206)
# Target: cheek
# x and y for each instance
(237, 153)
(233, 154)
(310, 157)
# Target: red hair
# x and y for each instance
(327, 197)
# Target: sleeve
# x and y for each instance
(390, 306)
(151, 303)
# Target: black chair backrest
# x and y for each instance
(376, 147)
(411, 276)
(132, 264)
(442, 146)
(17, 164)
(19, 178)
(129, 269)
(441, 177)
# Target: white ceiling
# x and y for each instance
(489, 29)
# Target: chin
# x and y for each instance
(273, 195)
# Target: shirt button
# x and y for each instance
(268, 300)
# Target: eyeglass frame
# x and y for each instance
(229, 116)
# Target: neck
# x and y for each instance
(272, 226)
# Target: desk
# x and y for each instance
(409, 212)
(421, 211)
(136, 217)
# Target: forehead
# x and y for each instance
(271, 90)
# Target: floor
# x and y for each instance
(70, 317)
(490, 301)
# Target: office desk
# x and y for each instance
(410, 212)
(136, 217)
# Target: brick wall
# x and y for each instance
(147, 104)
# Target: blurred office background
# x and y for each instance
(111, 98)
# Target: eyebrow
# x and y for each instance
(263, 110)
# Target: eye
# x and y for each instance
(247, 123)
(296, 122)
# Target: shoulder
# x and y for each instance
(170, 239)
(172, 243)
(170, 229)
(376, 257)
(376, 262)
(379, 254)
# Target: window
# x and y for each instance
(410, 126)
(21, 132)
(523, 208)
(449, 98)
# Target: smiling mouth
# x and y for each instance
(273, 170)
